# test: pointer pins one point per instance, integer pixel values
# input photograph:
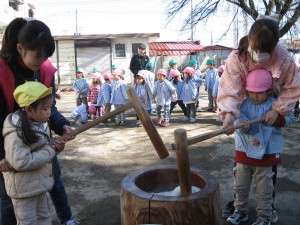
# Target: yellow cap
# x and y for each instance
(30, 92)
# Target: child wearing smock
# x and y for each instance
(30, 150)
(81, 113)
(162, 93)
(178, 84)
(258, 148)
(104, 95)
(198, 79)
(118, 95)
(210, 78)
(143, 91)
(189, 94)
(93, 94)
(81, 88)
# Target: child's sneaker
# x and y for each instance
(122, 123)
(237, 218)
(72, 222)
(193, 120)
(118, 123)
(166, 124)
(262, 221)
(229, 210)
(185, 119)
(138, 123)
(160, 120)
(199, 109)
(274, 216)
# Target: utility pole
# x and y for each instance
(76, 25)
(192, 21)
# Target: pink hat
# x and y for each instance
(189, 70)
(107, 76)
(259, 80)
(174, 73)
(162, 72)
(117, 72)
(92, 109)
(221, 69)
(142, 74)
(95, 75)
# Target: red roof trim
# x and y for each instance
(173, 48)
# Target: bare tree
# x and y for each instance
(288, 10)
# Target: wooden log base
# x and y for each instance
(139, 204)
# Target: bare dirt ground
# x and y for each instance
(95, 163)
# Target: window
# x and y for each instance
(120, 50)
(135, 47)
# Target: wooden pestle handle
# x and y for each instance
(147, 123)
(211, 134)
(93, 123)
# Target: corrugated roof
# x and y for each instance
(173, 48)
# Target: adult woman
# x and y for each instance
(26, 46)
(258, 50)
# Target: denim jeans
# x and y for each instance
(57, 193)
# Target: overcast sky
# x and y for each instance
(120, 16)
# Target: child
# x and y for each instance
(172, 66)
(189, 94)
(163, 91)
(81, 87)
(144, 92)
(216, 85)
(258, 148)
(81, 113)
(178, 84)
(104, 95)
(93, 94)
(29, 150)
(210, 79)
(118, 95)
(198, 79)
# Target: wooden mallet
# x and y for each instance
(181, 146)
(143, 116)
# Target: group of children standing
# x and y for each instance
(94, 99)
(168, 91)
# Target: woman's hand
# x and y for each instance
(5, 166)
(271, 117)
(228, 123)
(67, 130)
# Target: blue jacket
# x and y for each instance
(80, 113)
(178, 87)
(261, 138)
(189, 91)
(118, 92)
(163, 92)
(81, 85)
(145, 94)
(104, 94)
(210, 78)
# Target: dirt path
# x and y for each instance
(94, 164)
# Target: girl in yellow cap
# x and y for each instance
(29, 151)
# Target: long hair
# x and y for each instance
(33, 35)
(27, 133)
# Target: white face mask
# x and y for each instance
(258, 57)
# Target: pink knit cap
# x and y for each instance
(162, 72)
(174, 73)
(107, 76)
(259, 80)
(189, 70)
(142, 74)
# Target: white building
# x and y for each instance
(10, 9)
